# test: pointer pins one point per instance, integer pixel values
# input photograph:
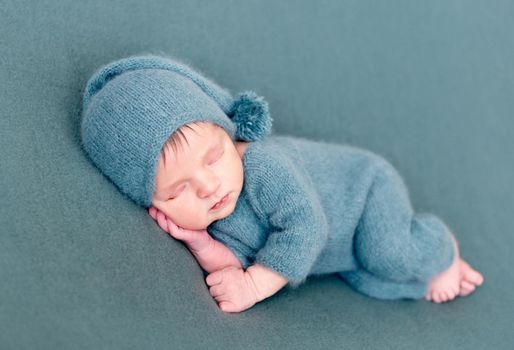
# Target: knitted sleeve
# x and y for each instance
(282, 194)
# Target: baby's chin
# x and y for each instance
(205, 224)
(221, 215)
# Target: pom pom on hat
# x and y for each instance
(250, 113)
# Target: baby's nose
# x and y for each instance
(208, 190)
(208, 185)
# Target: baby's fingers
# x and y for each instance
(217, 291)
(161, 220)
(174, 230)
(178, 232)
(214, 278)
(153, 213)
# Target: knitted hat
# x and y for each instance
(132, 106)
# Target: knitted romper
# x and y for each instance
(314, 208)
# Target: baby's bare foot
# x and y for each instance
(470, 278)
(446, 285)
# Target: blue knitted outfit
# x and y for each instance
(306, 208)
(311, 208)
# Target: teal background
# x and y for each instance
(427, 84)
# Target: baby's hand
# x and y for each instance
(196, 240)
(233, 289)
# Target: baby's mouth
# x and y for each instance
(221, 202)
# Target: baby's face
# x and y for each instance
(198, 175)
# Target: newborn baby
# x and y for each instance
(258, 211)
(212, 183)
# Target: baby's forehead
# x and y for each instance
(187, 143)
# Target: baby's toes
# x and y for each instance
(456, 290)
(451, 295)
(471, 275)
(430, 295)
(448, 296)
(466, 288)
(437, 297)
(465, 293)
(475, 277)
(466, 285)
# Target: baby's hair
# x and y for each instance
(176, 139)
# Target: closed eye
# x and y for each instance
(214, 161)
(177, 192)
(217, 157)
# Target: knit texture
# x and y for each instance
(312, 208)
(132, 106)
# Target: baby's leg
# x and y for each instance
(373, 286)
(393, 242)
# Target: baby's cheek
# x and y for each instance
(192, 218)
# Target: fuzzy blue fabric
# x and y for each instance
(306, 207)
(133, 105)
(312, 207)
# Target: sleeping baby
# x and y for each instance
(261, 211)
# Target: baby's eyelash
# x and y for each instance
(177, 192)
(218, 157)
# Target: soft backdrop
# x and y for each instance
(427, 84)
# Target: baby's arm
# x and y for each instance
(257, 282)
(267, 282)
(210, 254)
(215, 256)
